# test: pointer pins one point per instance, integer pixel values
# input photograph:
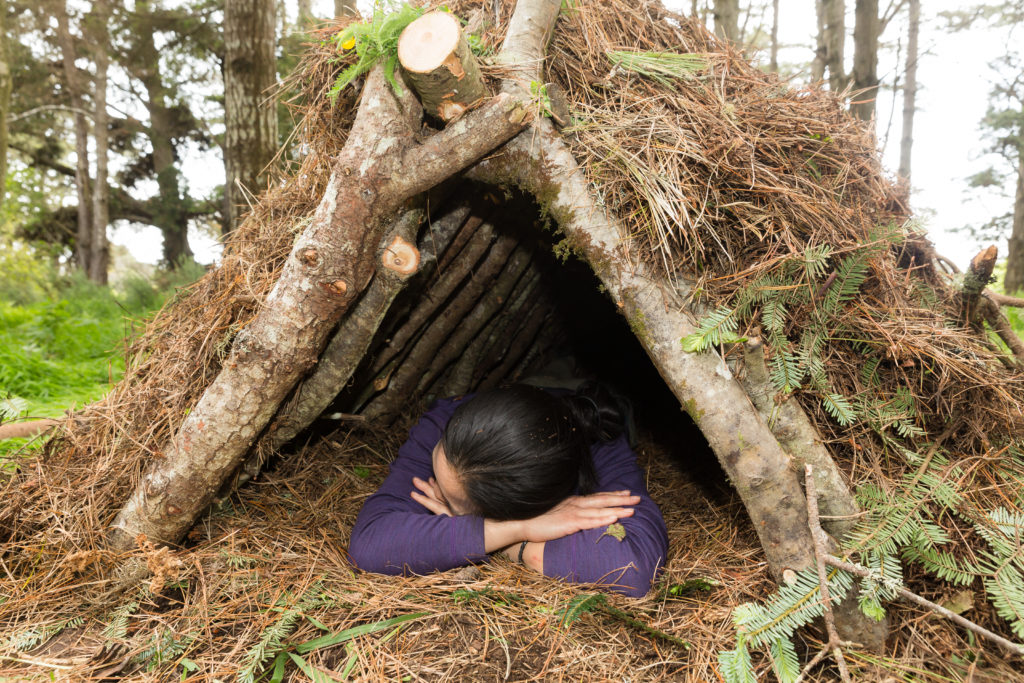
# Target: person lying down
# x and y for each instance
(547, 479)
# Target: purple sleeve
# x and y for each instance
(627, 566)
(394, 534)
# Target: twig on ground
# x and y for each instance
(858, 570)
(820, 551)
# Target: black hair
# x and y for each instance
(519, 450)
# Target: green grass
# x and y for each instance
(66, 350)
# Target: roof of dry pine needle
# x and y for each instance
(767, 200)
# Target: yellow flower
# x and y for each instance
(348, 44)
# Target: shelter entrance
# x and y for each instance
(508, 300)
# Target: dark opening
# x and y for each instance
(582, 324)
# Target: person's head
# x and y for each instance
(516, 452)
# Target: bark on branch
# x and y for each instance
(381, 166)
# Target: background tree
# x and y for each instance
(99, 250)
(865, 59)
(5, 97)
(345, 8)
(910, 88)
(250, 140)
(727, 18)
(74, 86)
(1004, 124)
(833, 41)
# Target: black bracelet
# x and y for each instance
(522, 547)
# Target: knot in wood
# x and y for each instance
(173, 510)
(401, 257)
(338, 287)
(310, 257)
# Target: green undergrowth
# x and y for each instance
(62, 343)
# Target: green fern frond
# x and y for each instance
(271, 641)
(792, 606)
(717, 327)
(786, 371)
(735, 665)
(869, 371)
(942, 564)
(1005, 589)
(839, 408)
(815, 261)
(373, 41)
(784, 660)
(773, 316)
(117, 621)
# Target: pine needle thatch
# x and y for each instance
(764, 202)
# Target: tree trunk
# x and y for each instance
(1014, 281)
(820, 48)
(99, 261)
(773, 62)
(727, 18)
(381, 166)
(169, 211)
(865, 59)
(83, 236)
(345, 8)
(304, 19)
(910, 89)
(250, 122)
(834, 15)
(5, 98)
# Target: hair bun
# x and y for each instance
(598, 412)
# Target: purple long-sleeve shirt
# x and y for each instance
(394, 533)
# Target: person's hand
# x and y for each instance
(429, 496)
(578, 513)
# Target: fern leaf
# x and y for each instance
(784, 660)
(736, 666)
(839, 408)
(786, 371)
(717, 327)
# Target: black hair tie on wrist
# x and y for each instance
(522, 547)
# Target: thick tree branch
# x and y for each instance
(526, 41)
(331, 263)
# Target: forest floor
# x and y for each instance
(263, 591)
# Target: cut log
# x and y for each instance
(440, 66)
(381, 166)
(349, 344)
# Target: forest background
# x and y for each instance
(120, 120)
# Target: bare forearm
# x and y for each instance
(500, 535)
